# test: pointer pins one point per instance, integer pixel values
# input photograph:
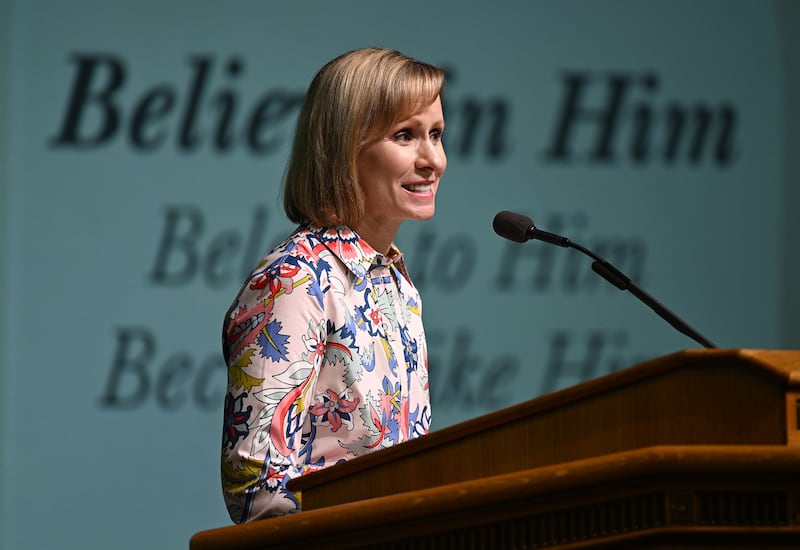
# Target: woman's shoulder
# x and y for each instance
(296, 261)
(302, 247)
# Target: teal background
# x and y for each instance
(81, 228)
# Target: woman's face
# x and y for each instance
(399, 171)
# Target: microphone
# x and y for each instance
(520, 228)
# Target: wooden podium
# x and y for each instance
(698, 449)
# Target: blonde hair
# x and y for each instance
(353, 97)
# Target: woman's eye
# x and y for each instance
(402, 135)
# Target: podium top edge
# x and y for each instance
(781, 366)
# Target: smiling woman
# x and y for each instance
(399, 172)
(324, 343)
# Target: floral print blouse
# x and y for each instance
(326, 361)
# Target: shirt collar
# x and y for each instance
(356, 253)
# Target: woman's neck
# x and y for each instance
(379, 235)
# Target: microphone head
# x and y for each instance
(512, 226)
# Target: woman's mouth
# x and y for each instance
(418, 187)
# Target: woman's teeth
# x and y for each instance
(419, 188)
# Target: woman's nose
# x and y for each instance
(431, 155)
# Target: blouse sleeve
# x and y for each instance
(271, 337)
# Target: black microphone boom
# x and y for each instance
(520, 228)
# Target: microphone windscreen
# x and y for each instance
(512, 226)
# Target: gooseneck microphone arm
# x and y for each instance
(519, 228)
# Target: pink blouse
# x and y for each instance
(326, 360)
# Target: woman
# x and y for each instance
(324, 344)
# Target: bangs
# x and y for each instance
(407, 89)
(413, 92)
